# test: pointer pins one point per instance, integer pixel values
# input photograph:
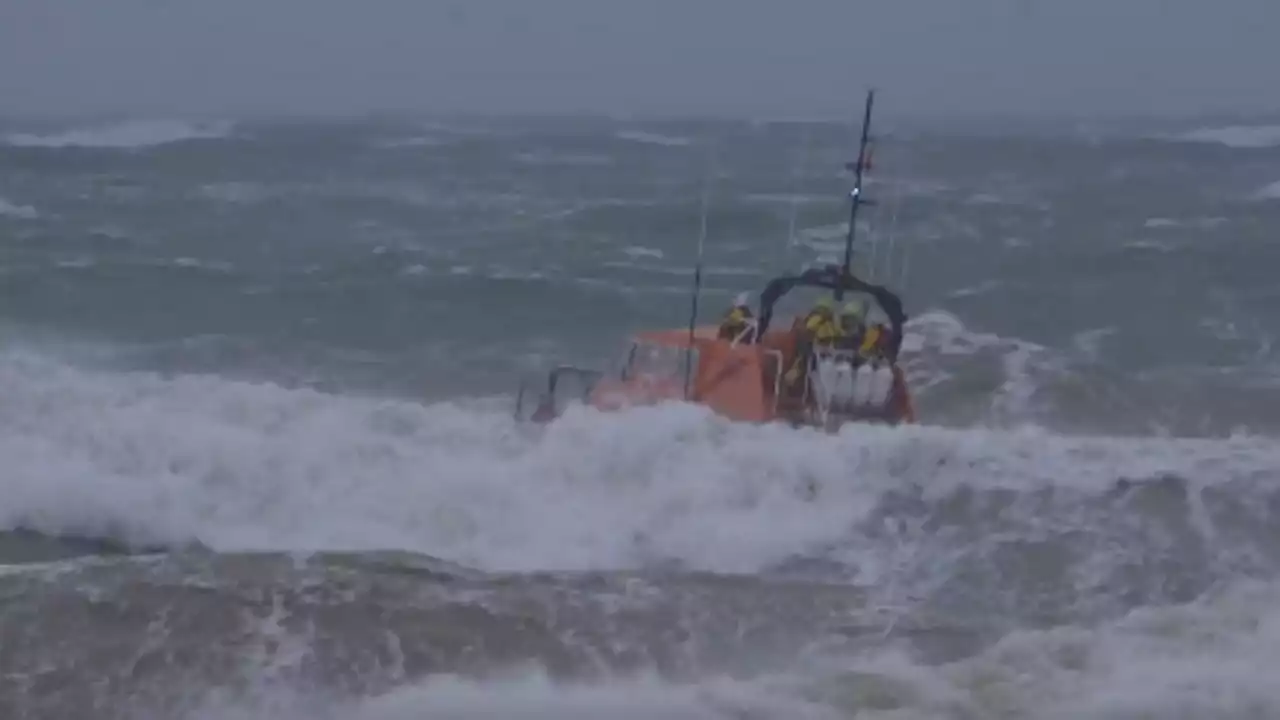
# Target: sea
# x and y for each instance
(259, 458)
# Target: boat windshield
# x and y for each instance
(657, 360)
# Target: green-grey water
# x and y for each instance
(258, 457)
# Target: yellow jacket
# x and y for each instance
(734, 322)
(869, 340)
(825, 330)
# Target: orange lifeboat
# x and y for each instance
(764, 374)
(745, 379)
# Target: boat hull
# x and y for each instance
(743, 383)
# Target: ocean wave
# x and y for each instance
(14, 210)
(1235, 136)
(1208, 658)
(241, 466)
(128, 135)
(1270, 192)
(649, 138)
(199, 636)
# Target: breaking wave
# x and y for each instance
(1236, 136)
(649, 138)
(1051, 543)
(655, 563)
(1210, 658)
(13, 210)
(239, 466)
(237, 637)
(1270, 192)
(127, 135)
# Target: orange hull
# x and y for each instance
(740, 382)
(745, 381)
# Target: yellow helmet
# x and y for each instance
(824, 303)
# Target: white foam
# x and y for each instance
(639, 251)
(652, 138)
(190, 262)
(982, 288)
(237, 192)
(785, 198)
(255, 466)
(13, 210)
(1214, 658)
(835, 231)
(124, 135)
(1088, 343)
(947, 334)
(943, 333)
(534, 696)
(987, 198)
(409, 142)
(1203, 223)
(1157, 245)
(547, 158)
(1270, 192)
(1236, 136)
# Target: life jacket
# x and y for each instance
(734, 322)
(824, 330)
(870, 341)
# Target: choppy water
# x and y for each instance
(257, 460)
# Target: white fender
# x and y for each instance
(882, 385)
(825, 387)
(844, 384)
(863, 384)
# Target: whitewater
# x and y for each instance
(258, 459)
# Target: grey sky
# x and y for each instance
(761, 57)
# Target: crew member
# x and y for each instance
(852, 324)
(738, 321)
(884, 340)
(820, 324)
(875, 342)
(820, 329)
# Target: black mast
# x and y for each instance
(697, 278)
(856, 194)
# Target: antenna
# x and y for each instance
(697, 277)
(858, 167)
(796, 172)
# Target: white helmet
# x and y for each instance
(742, 300)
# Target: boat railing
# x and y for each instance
(778, 360)
(546, 399)
(748, 332)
